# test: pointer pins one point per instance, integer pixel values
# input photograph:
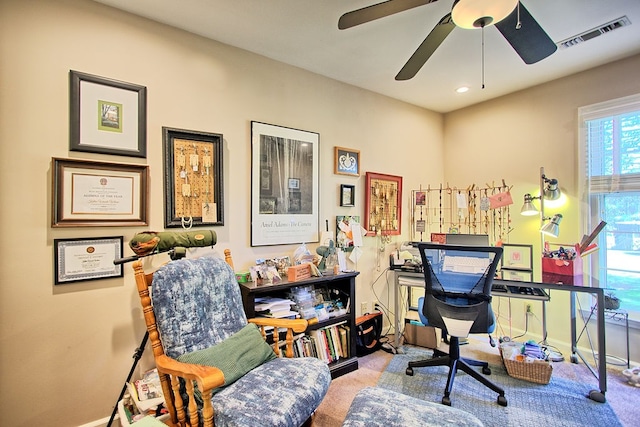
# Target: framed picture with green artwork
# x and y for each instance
(107, 116)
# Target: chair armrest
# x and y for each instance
(297, 325)
(208, 377)
(292, 325)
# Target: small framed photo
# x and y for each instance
(347, 195)
(294, 184)
(347, 161)
(107, 116)
(98, 194)
(421, 198)
(78, 260)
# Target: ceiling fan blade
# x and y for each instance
(531, 42)
(376, 11)
(426, 49)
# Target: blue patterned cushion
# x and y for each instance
(377, 407)
(279, 393)
(197, 304)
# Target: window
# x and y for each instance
(610, 188)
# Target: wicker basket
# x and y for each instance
(538, 371)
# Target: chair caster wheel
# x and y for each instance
(574, 358)
(502, 401)
(486, 370)
(446, 401)
(597, 396)
(409, 372)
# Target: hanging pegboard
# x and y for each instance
(470, 210)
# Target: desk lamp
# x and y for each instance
(549, 190)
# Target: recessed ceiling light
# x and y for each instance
(462, 89)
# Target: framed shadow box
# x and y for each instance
(193, 183)
(383, 204)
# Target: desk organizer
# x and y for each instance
(538, 371)
(565, 272)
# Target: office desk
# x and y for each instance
(410, 279)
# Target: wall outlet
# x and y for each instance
(377, 306)
(527, 309)
(363, 307)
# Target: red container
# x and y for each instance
(562, 271)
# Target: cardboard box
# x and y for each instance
(423, 336)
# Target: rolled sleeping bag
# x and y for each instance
(148, 242)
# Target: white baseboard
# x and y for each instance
(103, 422)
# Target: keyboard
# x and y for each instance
(512, 291)
(465, 264)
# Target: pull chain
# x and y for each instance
(483, 57)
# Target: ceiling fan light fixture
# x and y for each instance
(472, 14)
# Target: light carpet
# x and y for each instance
(560, 403)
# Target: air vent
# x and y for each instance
(595, 32)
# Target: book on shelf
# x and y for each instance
(344, 339)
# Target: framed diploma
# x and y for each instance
(86, 259)
(98, 194)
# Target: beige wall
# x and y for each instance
(67, 349)
(513, 137)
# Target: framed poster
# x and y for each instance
(383, 202)
(86, 259)
(98, 194)
(286, 210)
(347, 195)
(193, 185)
(346, 161)
(107, 116)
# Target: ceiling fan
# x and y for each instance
(511, 18)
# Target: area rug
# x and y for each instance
(559, 403)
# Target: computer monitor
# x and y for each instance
(467, 239)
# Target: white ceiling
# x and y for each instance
(304, 33)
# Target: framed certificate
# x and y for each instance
(98, 194)
(86, 259)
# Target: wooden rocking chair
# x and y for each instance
(193, 308)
